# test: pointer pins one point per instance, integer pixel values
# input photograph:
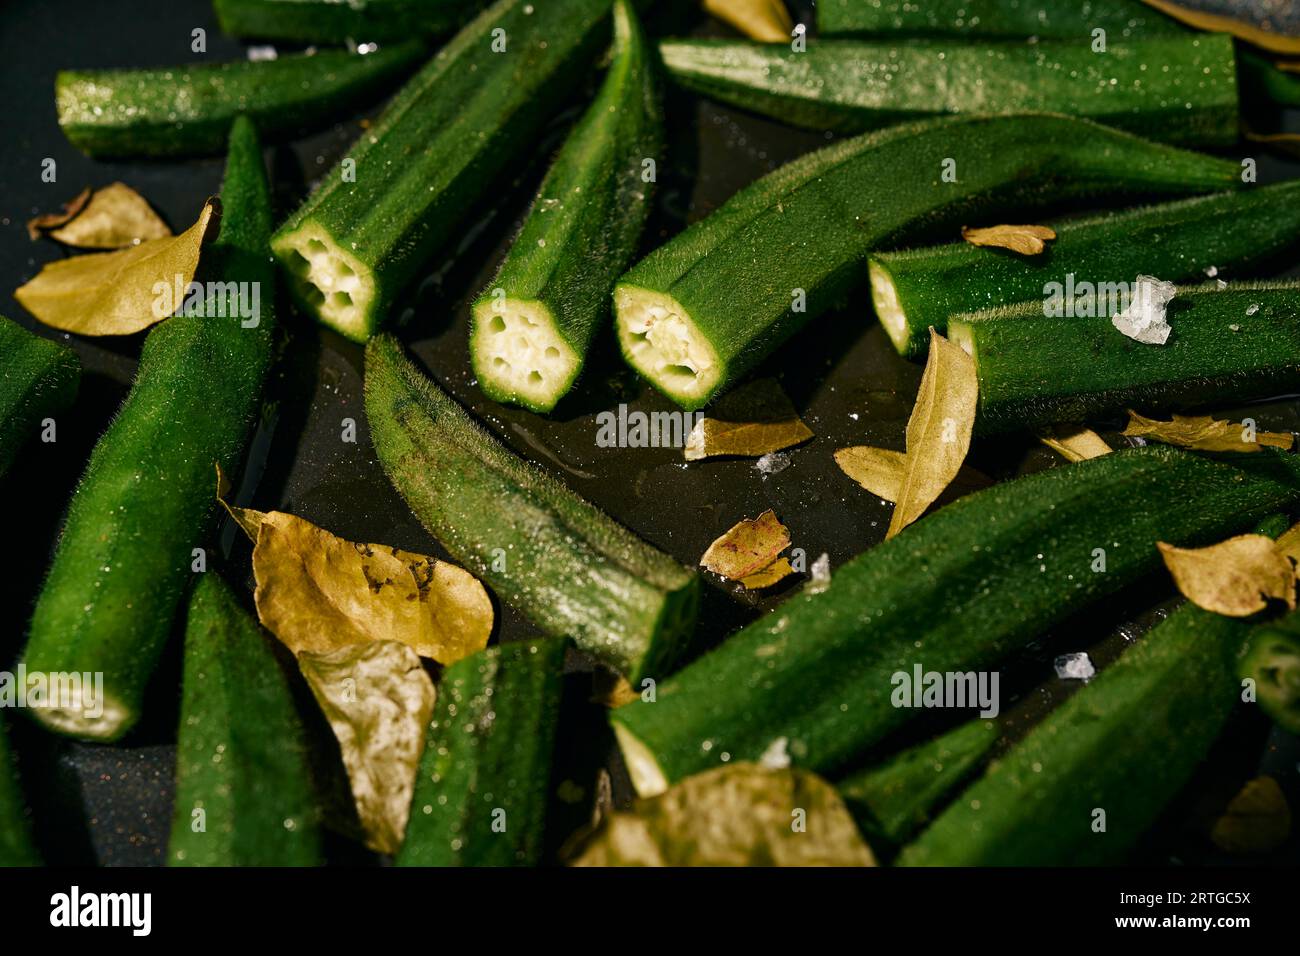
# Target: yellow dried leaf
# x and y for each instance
(1258, 820)
(751, 421)
(939, 431)
(1290, 66)
(749, 552)
(318, 592)
(115, 216)
(1288, 143)
(1026, 240)
(378, 700)
(1204, 433)
(118, 293)
(1233, 577)
(765, 20)
(1074, 442)
(1218, 23)
(39, 225)
(879, 470)
(742, 814)
(1288, 543)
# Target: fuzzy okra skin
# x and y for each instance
(1232, 344)
(332, 21)
(955, 592)
(703, 309)
(16, 847)
(1271, 658)
(123, 561)
(1176, 89)
(1260, 75)
(534, 324)
(241, 756)
(547, 552)
(994, 19)
(187, 110)
(408, 181)
(1124, 744)
(1232, 232)
(894, 799)
(39, 378)
(481, 795)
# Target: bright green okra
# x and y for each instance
(125, 559)
(243, 784)
(702, 310)
(39, 378)
(333, 21)
(534, 325)
(187, 110)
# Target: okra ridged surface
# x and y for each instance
(990, 19)
(123, 563)
(332, 21)
(405, 186)
(534, 324)
(958, 591)
(703, 309)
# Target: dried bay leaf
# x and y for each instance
(1257, 820)
(1074, 442)
(115, 216)
(1251, 32)
(749, 552)
(1203, 433)
(1026, 240)
(317, 592)
(767, 21)
(938, 432)
(750, 422)
(880, 471)
(1234, 577)
(39, 225)
(378, 699)
(117, 293)
(741, 814)
(1288, 543)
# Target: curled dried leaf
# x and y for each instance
(750, 551)
(378, 700)
(881, 470)
(1288, 543)
(1026, 240)
(765, 20)
(1205, 433)
(116, 216)
(749, 422)
(1234, 577)
(938, 432)
(39, 225)
(1074, 442)
(1257, 30)
(1258, 820)
(317, 592)
(741, 814)
(122, 292)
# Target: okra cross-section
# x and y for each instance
(406, 184)
(702, 310)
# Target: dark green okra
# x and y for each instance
(994, 19)
(187, 110)
(1228, 344)
(39, 378)
(332, 21)
(1271, 658)
(408, 182)
(534, 325)
(894, 799)
(244, 794)
(853, 85)
(1226, 234)
(484, 781)
(552, 555)
(124, 560)
(703, 309)
(955, 592)
(16, 847)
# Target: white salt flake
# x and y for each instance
(1234, 327)
(775, 756)
(772, 463)
(821, 574)
(260, 54)
(1211, 271)
(1144, 319)
(1074, 667)
(1253, 309)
